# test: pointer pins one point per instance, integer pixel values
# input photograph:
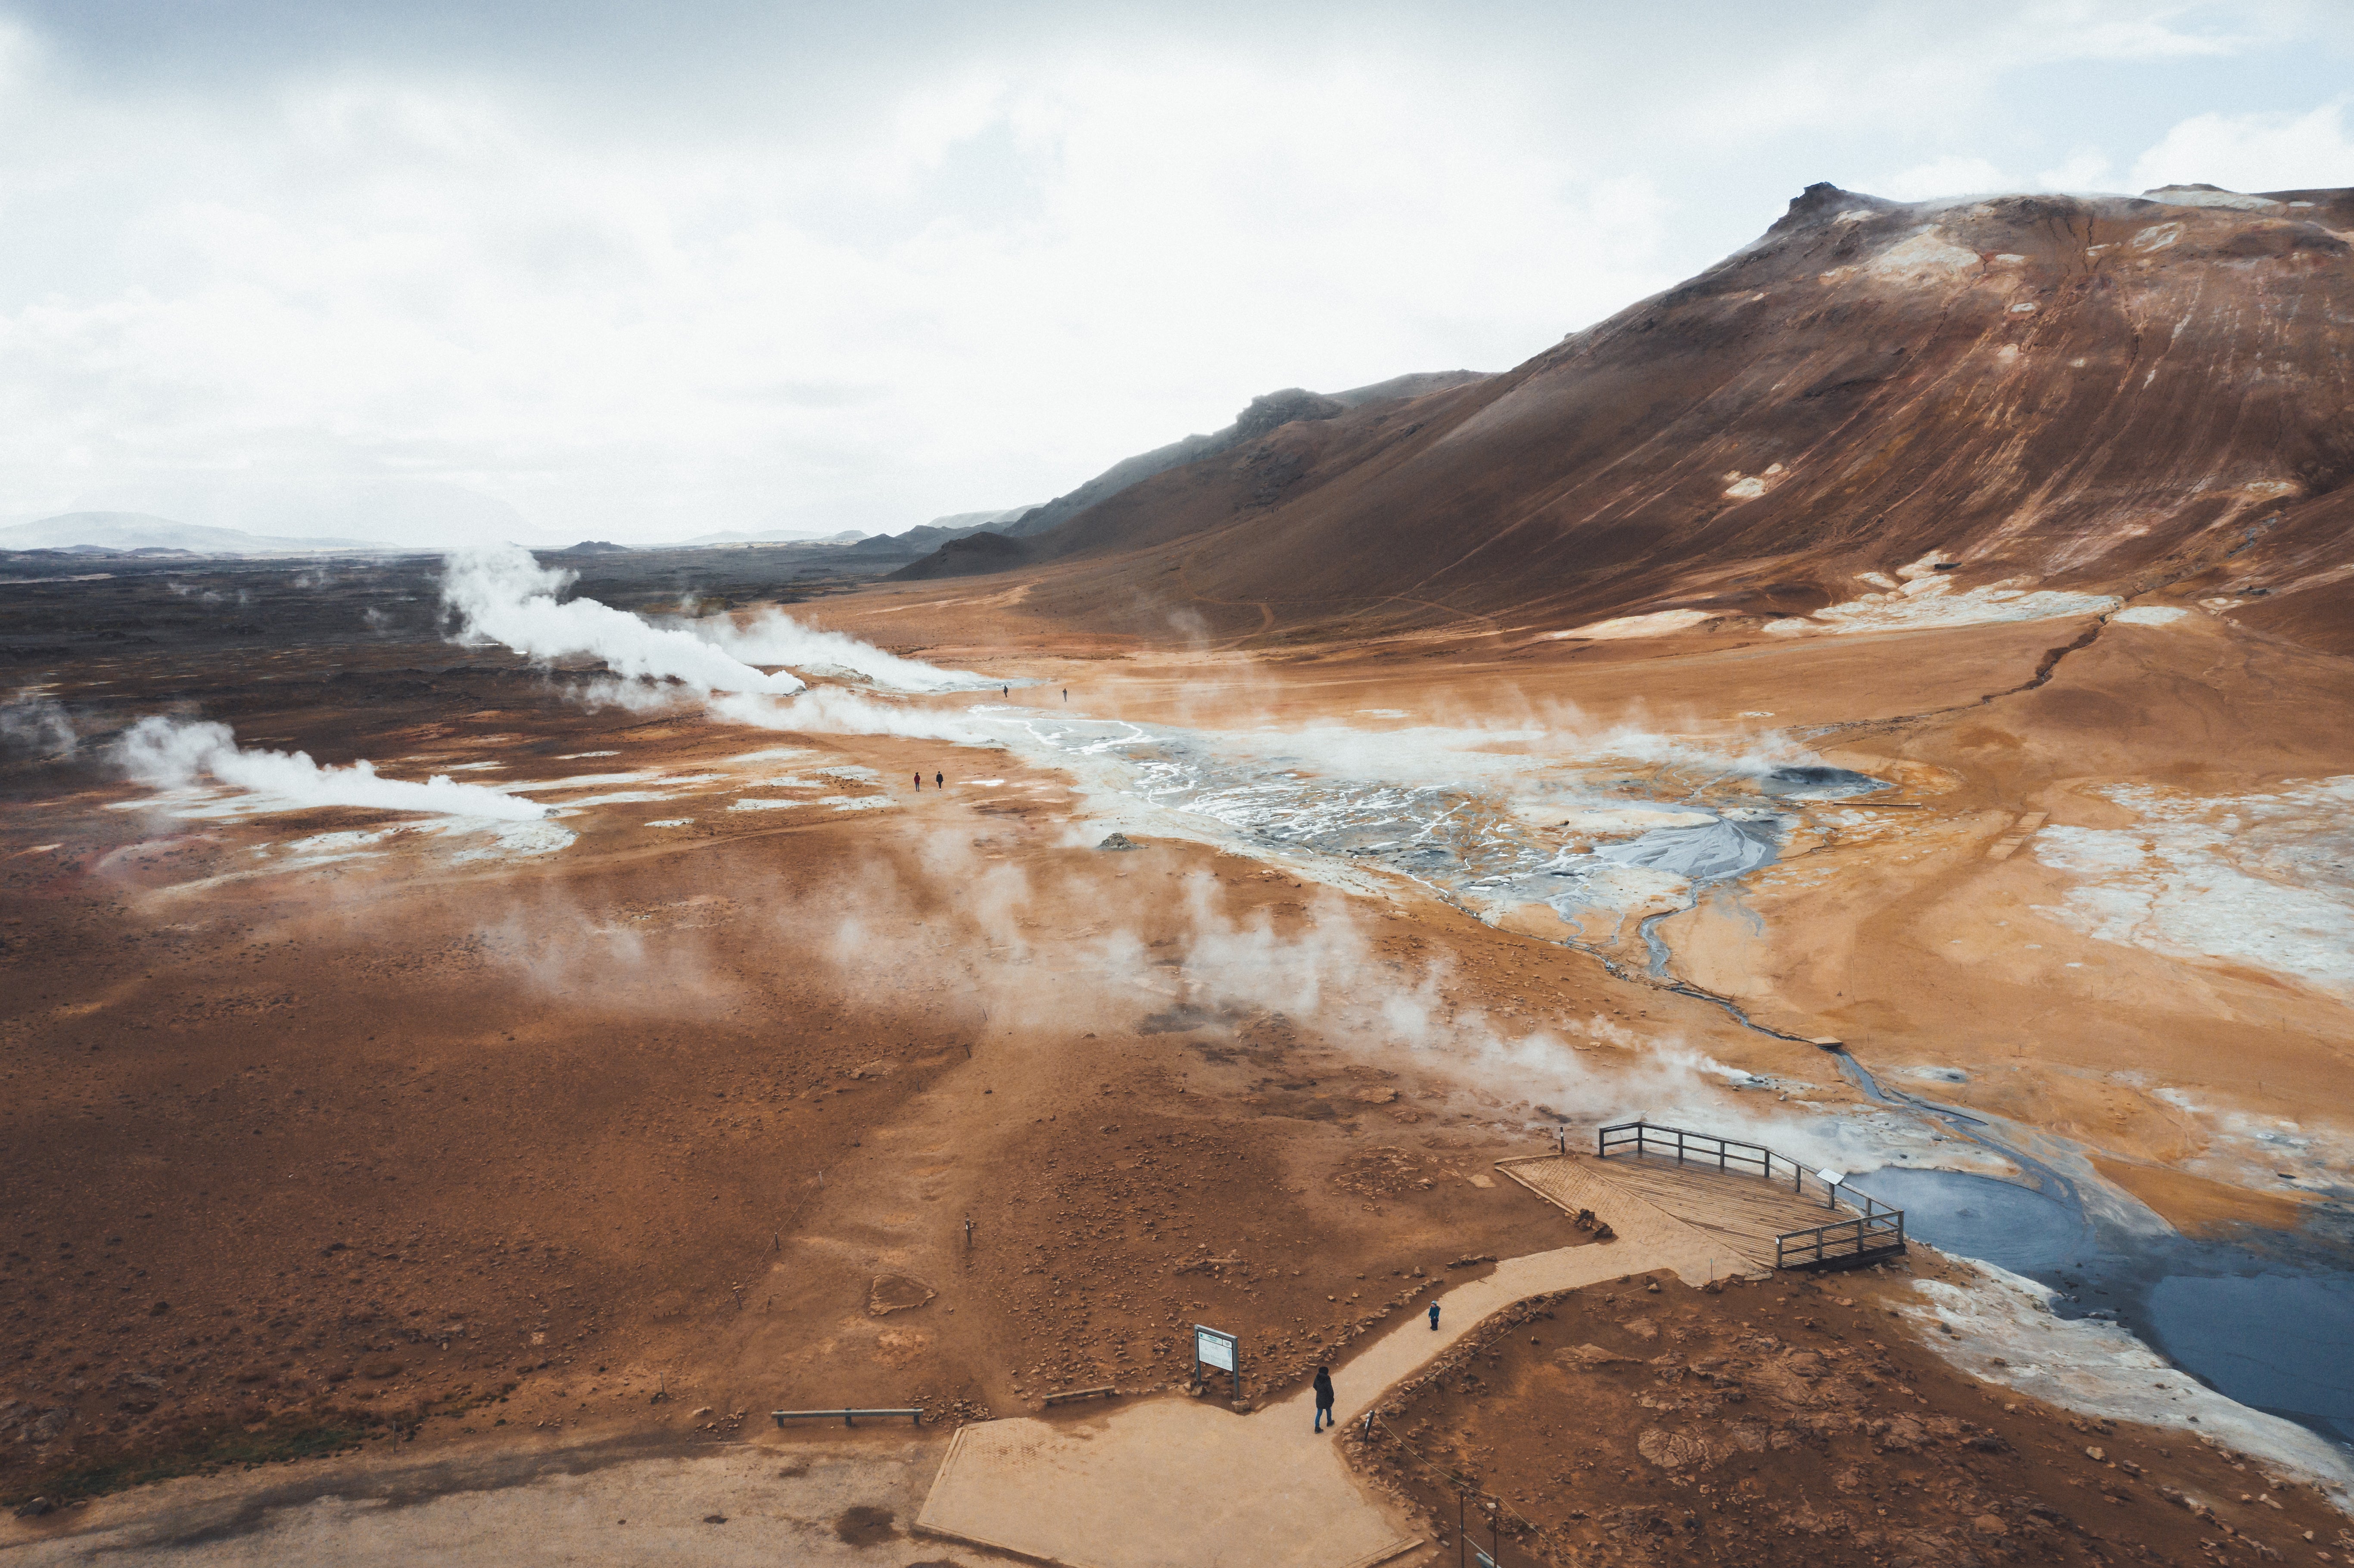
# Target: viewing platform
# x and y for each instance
(1768, 1209)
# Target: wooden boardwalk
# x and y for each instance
(1743, 1209)
(1747, 1211)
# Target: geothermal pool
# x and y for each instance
(2267, 1321)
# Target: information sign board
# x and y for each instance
(1216, 1348)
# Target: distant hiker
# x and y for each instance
(940, 781)
(1004, 691)
(919, 783)
(1434, 1317)
(1323, 1400)
(1066, 693)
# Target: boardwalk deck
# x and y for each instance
(1760, 1220)
(1748, 1212)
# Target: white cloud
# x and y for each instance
(1954, 175)
(2083, 169)
(2259, 152)
(641, 280)
(372, 282)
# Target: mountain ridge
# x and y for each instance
(2101, 395)
(143, 530)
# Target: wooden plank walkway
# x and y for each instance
(1745, 1211)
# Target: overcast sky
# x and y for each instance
(422, 269)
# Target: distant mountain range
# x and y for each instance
(765, 536)
(129, 531)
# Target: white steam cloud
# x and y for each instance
(36, 721)
(501, 595)
(823, 711)
(775, 638)
(173, 754)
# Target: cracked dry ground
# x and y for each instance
(1801, 1421)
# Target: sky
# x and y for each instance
(441, 270)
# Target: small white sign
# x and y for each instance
(1213, 1349)
(1830, 1178)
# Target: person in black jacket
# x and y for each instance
(1323, 1399)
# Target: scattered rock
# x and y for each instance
(1674, 1450)
(1473, 1262)
(1898, 1435)
(897, 1293)
(715, 1518)
(1116, 841)
(36, 1509)
(1988, 1524)
(1587, 1357)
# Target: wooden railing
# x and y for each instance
(1868, 1229)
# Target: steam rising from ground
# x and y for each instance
(1023, 952)
(501, 594)
(820, 710)
(775, 638)
(173, 754)
(36, 722)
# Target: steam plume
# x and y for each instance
(38, 722)
(501, 595)
(171, 753)
(835, 712)
(775, 638)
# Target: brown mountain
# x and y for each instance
(2032, 393)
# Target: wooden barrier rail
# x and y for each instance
(784, 1416)
(1873, 1231)
(1866, 1236)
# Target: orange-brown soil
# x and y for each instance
(305, 1155)
(699, 1114)
(2198, 1205)
(1799, 1422)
